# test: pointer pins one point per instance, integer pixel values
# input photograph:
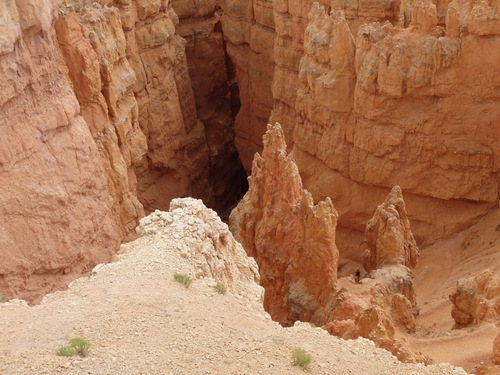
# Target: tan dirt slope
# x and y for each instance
(140, 321)
(436, 275)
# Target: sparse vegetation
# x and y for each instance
(66, 351)
(76, 346)
(3, 299)
(219, 288)
(183, 279)
(301, 358)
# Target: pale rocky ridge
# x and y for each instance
(140, 320)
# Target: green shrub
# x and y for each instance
(183, 279)
(66, 351)
(76, 346)
(81, 346)
(3, 299)
(219, 288)
(301, 358)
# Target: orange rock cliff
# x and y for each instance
(111, 108)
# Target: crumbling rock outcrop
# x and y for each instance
(197, 234)
(388, 235)
(375, 308)
(385, 299)
(55, 222)
(476, 299)
(293, 241)
(291, 238)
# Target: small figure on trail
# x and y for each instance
(358, 275)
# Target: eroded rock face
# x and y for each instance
(94, 46)
(142, 113)
(388, 235)
(212, 79)
(248, 28)
(386, 299)
(476, 299)
(291, 238)
(55, 221)
(370, 97)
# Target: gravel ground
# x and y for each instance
(140, 321)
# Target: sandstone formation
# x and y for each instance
(55, 222)
(385, 300)
(291, 238)
(144, 96)
(293, 241)
(388, 234)
(133, 310)
(123, 79)
(476, 299)
(215, 93)
(378, 94)
(376, 309)
(248, 28)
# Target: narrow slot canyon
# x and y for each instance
(351, 147)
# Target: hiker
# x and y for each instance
(358, 275)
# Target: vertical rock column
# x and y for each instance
(291, 238)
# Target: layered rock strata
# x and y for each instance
(212, 79)
(249, 30)
(377, 94)
(476, 299)
(292, 239)
(55, 221)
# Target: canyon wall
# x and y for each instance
(102, 123)
(216, 97)
(55, 221)
(375, 94)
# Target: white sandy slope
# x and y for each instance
(140, 321)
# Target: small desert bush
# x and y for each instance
(301, 358)
(3, 299)
(66, 351)
(183, 279)
(76, 346)
(219, 288)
